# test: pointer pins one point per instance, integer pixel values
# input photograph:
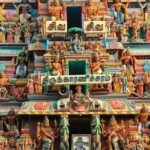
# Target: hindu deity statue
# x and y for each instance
(64, 133)
(40, 22)
(148, 34)
(56, 67)
(75, 44)
(2, 33)
(47, 135)
(17, 34)
(119, 15)
(115, 134)
(38, 83)
(145, 10)
(11, 122)
(55, 48)
(139, 87)
(96, 132)
(24, 16)
(146, 80)
(143, 119)
(97, 66)
(117, 82)
(21, 64)
(30, 84)
(3, 82)
(91, 11)
(28, 143)
(1, 10)
(79, 98)
(45, 84)
(9, 35)
(128, 61)
(63, 47)
(56, 10)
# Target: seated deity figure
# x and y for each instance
(91, 10)
(142, 119)
(79, 98)
(75, 44)
(117, 8)
(56, 11)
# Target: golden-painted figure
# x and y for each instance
(91, 11)
(56, 10)
(56, 67)
(142, 119)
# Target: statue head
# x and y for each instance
(78, 88)
(113, 121)
(11, 112)
(96, 58)
(46, 121)
(55, 123)
(90, 2)
(6, 142)
(57, 59)
(56, 3)
(128, 51)
(144, 108)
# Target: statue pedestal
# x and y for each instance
(79, 108)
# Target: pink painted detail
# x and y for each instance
(117, 104)
(79, 108)
(41, 105)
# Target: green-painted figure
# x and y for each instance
(64, 133)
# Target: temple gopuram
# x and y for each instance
(74, 74)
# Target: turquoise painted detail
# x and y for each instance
(147, 66)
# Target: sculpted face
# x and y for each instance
(56, 2)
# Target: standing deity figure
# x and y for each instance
(97, 67)
(17, 34)
(118, 85)
(128, 61)
(11, 122)
(30, 84)
(21, 64)
(38, 83)
(56, 11)
(145, 10)
(91, 11)
(115, 134)
(64, 133)
(118, 14)
(142, 119)
(47, 135)
(96, 132)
